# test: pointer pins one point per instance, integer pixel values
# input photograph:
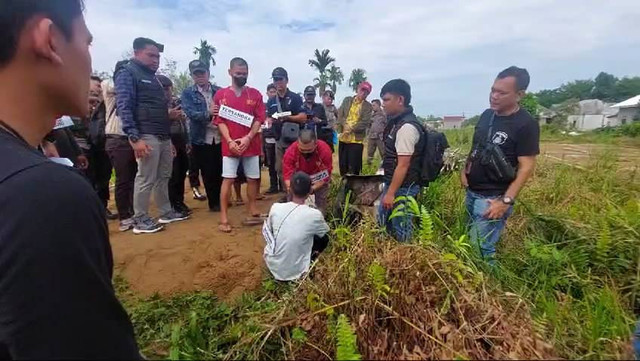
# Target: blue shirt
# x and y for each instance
(291, 102)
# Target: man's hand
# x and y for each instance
(388, 200)
(244, 143)
(83, 162)
(175, 113)
(141, 149)
(497, 209)
(463, 179)
(214, 109)
(234, 147)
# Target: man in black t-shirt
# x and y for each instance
(490, 192)
(284, 101)
(56, 296)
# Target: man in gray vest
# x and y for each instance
(142, 107)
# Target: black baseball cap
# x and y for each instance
(164, 80)
(197, 65)
(141, 43)
(279, 72)
(309, 90)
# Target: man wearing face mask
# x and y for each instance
(314, 158)
(142, 107)
(245, 113)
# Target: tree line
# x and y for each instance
(605, 87)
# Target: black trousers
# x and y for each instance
(194, 172)
(350, 158)
(319, 245)
(99, 172)
(270, 160)
(178, 175)
(124, 162)
(209, 160)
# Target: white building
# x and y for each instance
(628, 110)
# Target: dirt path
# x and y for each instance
(580, 154)
(193, 255)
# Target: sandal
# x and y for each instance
(261, 215)
(239, 202)
(225, 227)
(252, 221)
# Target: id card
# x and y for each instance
(235, 116)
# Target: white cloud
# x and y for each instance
(448, 50)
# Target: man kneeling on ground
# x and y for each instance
(314, 158)
(294, 232)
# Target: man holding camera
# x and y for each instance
(503, 157)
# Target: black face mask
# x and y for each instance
(307, 155)
(239, 80)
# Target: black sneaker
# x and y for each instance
(172, 216)
(272, 191)
(146, 225)
(197, 195)
(111, 216)
(183, 208)
(214, 209)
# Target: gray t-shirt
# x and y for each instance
(406, 139)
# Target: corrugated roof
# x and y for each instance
(629, 103)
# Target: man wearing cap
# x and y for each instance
(284, 101)
(331, 112)
(316, 117)
(378, 123)
(269, 149)
(197, 102)
(354, 117)
(314, 158)
(142, 107)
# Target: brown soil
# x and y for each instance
(580, 154)
(193, 254)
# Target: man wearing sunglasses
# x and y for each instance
(314, 158)
(284, 102)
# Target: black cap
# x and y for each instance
(310, 90)
(197, 65)
(141, 43)
(165, 81)
(279, 72)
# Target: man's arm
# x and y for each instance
(526, 167)
(56, 296)
(126, 102)
(288, 165)
(189, 108)
(398, 178)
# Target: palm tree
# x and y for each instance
(358, 75)
(206, 53)
(320, 63)
(321, 82)
(336, 77)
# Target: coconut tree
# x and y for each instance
(320, 63)
(321, 82)
(358, 75)
(336, 77)
(206, 52)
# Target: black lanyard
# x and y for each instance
(12, 131)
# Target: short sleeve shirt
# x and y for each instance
(249, 101)
(406, 139)
(291, 102)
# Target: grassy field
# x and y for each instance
(566, 285)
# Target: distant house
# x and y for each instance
(628, 110)
(593, 114)
(452, 121)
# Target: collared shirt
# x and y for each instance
(294, 161)
(352, 120)
(212, 134)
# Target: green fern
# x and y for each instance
(377, 275)
(346, 338)
(299, 335)
(425, 233)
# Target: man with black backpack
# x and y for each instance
(412, 157)
(285, 112)
(503, 157)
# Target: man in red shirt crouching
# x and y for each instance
(239, 113)
(314, 158)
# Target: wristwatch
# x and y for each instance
(134, 138)
(508, 200)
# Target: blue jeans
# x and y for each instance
(401, 228)
(636, 340)
(484, 232)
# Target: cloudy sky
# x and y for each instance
(448, 50)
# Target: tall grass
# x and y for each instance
(568, 273)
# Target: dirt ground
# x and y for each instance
(580, 154)
(193, 255)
